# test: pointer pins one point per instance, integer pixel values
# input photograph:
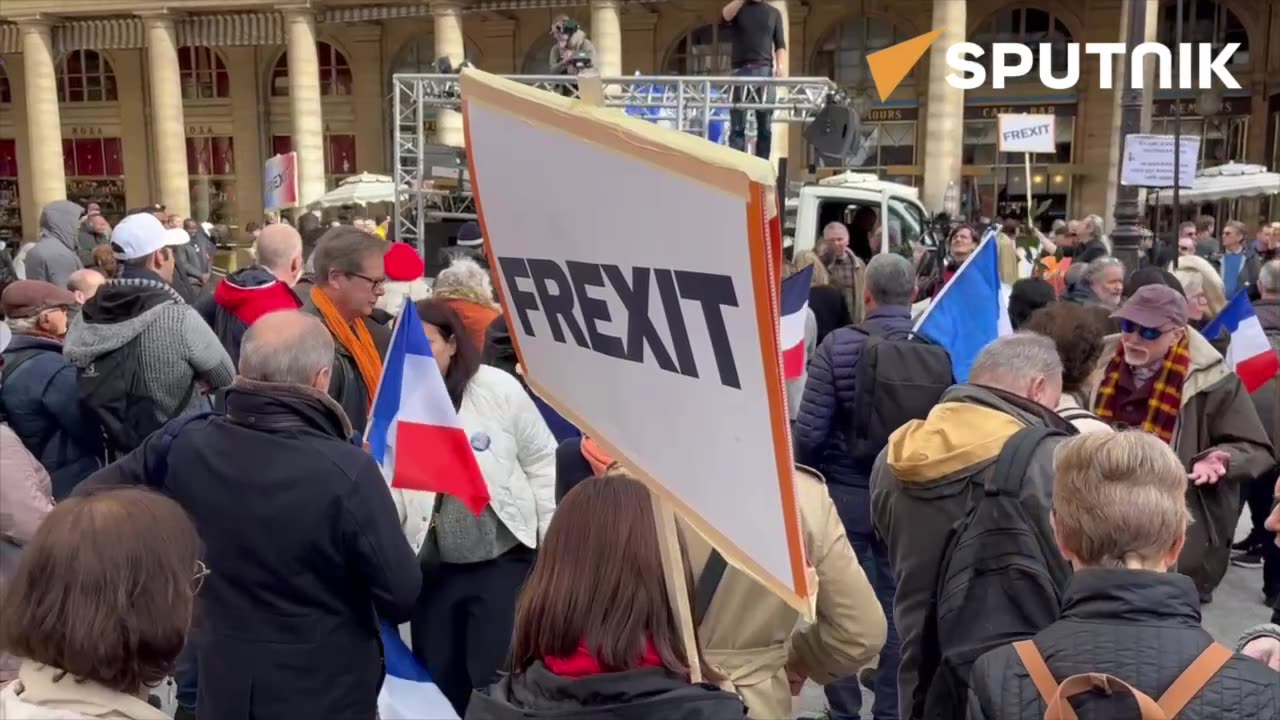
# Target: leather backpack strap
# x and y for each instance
(1194, 678)
(1033, 661)
(1060, 709)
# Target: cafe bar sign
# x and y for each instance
(991, 112)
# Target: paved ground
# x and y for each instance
(1236, 607)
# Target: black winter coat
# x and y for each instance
(822, 426)
(830, 311)
(1140, 626)
(304, 548)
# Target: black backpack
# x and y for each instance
(112, 391)
(997, 583)
(900, 376)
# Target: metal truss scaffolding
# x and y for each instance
(690, 103)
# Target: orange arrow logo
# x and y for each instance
(890, 65)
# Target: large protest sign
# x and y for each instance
(639, 279)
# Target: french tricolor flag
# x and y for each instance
(414, 433)
(408, 692)
(794, 306)
(1250, 353)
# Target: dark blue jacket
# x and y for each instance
(41, 402)
(822, 426)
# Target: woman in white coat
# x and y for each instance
(473, 567)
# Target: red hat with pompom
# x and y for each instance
(403, 263)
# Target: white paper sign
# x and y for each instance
(1148, 161)
(1027, 133)
(640, 297)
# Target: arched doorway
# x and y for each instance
(92, 150)
(704, 50)
(417, 55)
(993, 183)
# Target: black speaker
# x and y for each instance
(833, 130)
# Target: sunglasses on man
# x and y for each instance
(1146, 333)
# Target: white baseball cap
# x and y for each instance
(139, 235)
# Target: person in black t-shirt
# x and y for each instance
(759, 50)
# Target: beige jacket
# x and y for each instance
(39, 694)
(751, 636)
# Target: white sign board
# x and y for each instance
(1027, 133)
(639, 283)
(1148, 161)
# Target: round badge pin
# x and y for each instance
(480, 442)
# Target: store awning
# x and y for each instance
(1223, 182)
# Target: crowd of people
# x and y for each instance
(186, 494)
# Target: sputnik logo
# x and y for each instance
(1013, 60)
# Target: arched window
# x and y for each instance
(6, 92)
(418, 55)
(537, 60)
(335, 72)
(841, 54)
(1213, 23)
(203, 73)
(702, 51)
(1026, 26)
(85, 76)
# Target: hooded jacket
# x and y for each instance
(175, 346)
(642, 694)
(1216, 414)
(1137, 625)
(923, 482)
(239, 300)
(41, 402)
(53, 258)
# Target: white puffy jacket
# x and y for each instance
(519, 465)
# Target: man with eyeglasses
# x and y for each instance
(1164, 378)
(349, 278)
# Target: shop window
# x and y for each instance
(10, 203)
(339, 155)
(95, 173)
(1026, 26)
(204, 76)
(702, 51)
(1222, 139)
(335, 72)
(211, 166)
(6, 90)
(1213, 23)
(85, 76)
(999, 183)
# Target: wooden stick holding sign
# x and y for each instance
(1027, 134)
(591, 92)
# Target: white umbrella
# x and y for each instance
(361, 189)
(1224, 182)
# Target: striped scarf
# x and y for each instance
(1165, 402)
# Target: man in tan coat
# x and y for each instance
(750, 635)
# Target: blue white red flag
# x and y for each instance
(407, 691)
(1250, 353)
(971, 310)
(793, 307)
(414, 432)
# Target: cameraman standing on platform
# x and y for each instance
(572, 52)
(759, 50)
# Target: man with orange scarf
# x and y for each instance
(349, 278)
(1164, 378)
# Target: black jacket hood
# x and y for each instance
(643, 694)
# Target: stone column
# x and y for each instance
(944, 113)
(606, 35)
(44, 127)
(168, 128)
(304, 101)
(781, 146)
(450, 43)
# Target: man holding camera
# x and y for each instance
(572, 52)
(759, 50)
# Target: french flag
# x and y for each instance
(794, 306)
(1250, 353)
(414, 433)
(407, 691)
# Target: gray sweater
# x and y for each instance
(175, 344)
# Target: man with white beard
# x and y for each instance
(1162, 377)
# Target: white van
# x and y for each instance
(838, 197)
